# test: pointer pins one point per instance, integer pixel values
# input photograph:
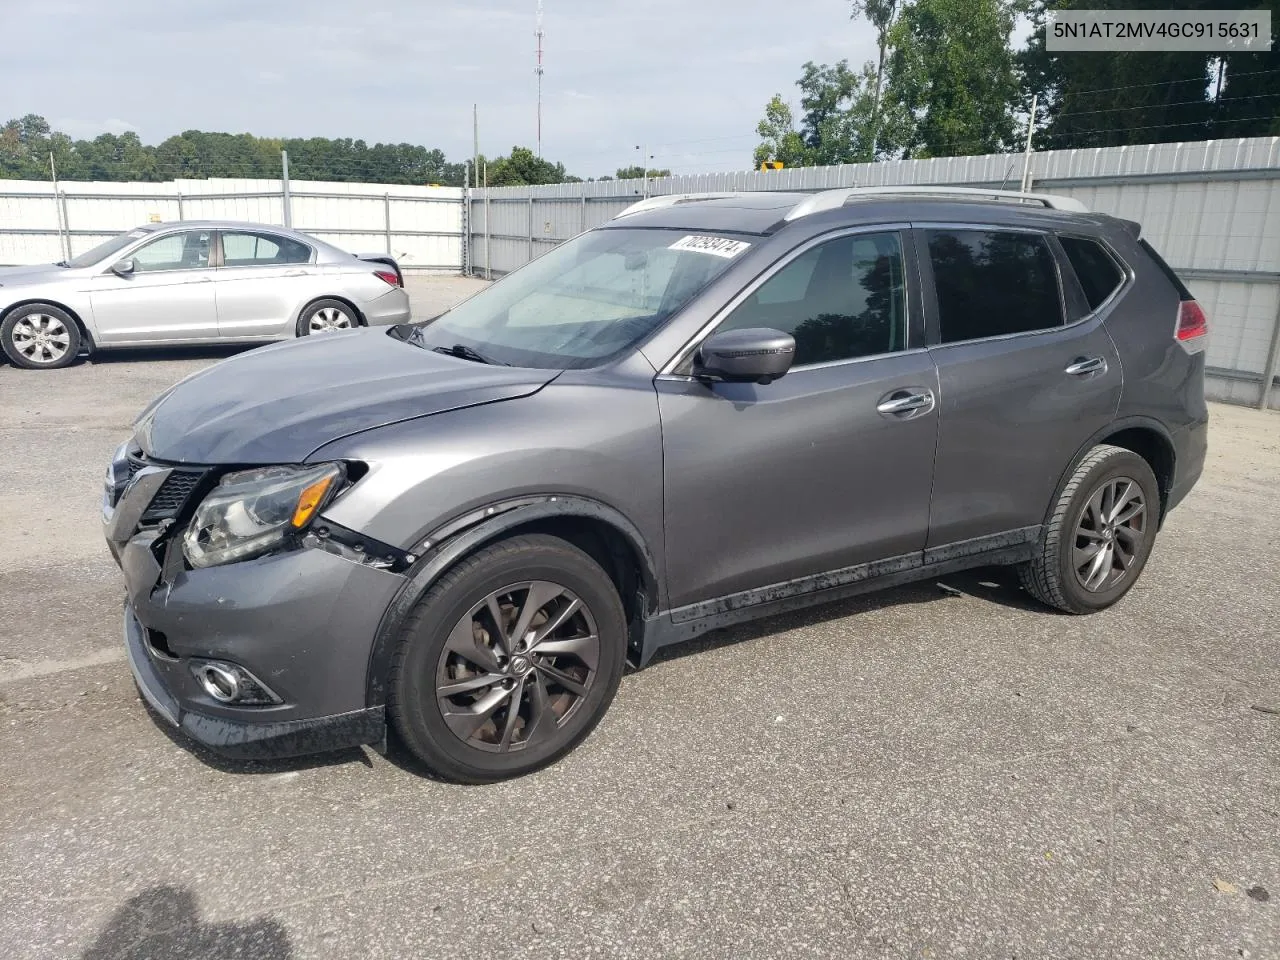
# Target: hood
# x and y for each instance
(35, 273)
(278, 404)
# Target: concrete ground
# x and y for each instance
(913, 774)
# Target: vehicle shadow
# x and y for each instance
(106, 358)
(164, 923)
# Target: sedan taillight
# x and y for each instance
(387, 276)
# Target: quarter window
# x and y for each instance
(259, 249)
(1097, 272)
(188, 250)
(842, 299)
(991, 283)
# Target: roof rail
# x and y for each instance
(834, 199)
(670, 200)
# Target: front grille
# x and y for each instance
(173, 494)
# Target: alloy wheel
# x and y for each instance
(1109, 534)
(518, 666)
(41, 338)
(327, 319)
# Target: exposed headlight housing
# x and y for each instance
(251, 512)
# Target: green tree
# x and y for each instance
(638, 172)
(1115, 99)
(883, 15)
(950, 70)
(523, 167)
(779, 138)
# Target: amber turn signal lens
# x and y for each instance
(310, 499)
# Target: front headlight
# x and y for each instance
(251, 512)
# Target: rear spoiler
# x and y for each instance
(386, 258)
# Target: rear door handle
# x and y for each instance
(1086, 365)
(907, 402)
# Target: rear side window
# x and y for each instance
(1099, 275)
(991, 283)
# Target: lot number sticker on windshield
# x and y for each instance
(716, 246)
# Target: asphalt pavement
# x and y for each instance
(922, 773)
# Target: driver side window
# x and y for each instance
(843, 299)
(188, 250)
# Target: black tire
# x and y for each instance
(40, 336)
(1070, 535)
(424, 656)
(327, 308)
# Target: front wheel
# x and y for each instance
(508, 661)
(1099, 535)
(326, 316)
(40, 336)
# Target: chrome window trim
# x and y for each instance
(901, 228)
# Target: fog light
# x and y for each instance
(229, 683)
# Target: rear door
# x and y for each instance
(169, 295)
(1021, 389)
(261, 282)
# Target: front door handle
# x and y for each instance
(1086, 365)
(906, 403)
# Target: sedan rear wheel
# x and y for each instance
(326, 316)
(40, 336)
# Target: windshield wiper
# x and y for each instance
(463, 352)
(62, 263)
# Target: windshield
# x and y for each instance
(106, 249)
(586, 301)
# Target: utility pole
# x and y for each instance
(538, 70)
(286, 198)
(64, 240)
(1031, 127)
(475, 135)
(644, 170)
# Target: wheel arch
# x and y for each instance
(1146, 437)
(360, 317)
(599, 530)
(86, 335)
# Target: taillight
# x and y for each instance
(1193, 325)
(387, 277)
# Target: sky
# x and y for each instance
(687, 79)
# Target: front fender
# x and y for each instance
(450, 543)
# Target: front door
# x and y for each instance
(169, 295)
(830, 466)
(261, 283)
(1022, 390)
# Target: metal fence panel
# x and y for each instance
(421, 226)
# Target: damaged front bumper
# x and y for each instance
(301, 622)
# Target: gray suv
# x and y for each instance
(711, 409)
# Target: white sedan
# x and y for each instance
(195, 282)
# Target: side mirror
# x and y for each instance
(758, 355)
(124, 268)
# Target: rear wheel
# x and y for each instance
(1099, 535)
(508, 661)
(40, 336)
(326, 316)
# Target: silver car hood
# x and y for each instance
(278, 404)
(36, 273)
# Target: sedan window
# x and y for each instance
(243, 249)
(188, 250)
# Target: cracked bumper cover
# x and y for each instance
(302, 621)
